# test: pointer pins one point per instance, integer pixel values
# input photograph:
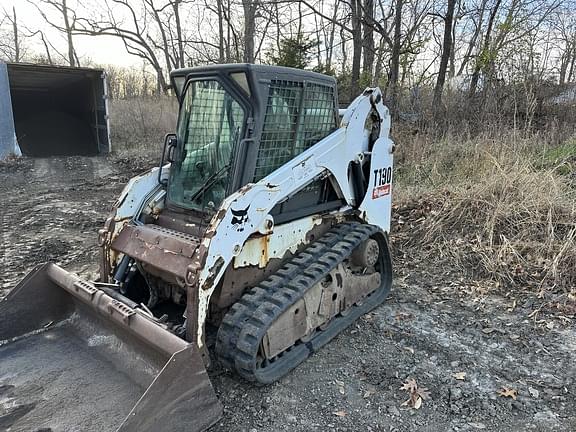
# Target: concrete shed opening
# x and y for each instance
(59, 111)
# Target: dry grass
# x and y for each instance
(138, 125)
(499, 205)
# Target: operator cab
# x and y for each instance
(240, 122)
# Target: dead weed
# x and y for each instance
(510, 222)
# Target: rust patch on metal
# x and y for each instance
(169, 250)
(199, 259)
(213, 272)
(191, 276)
(218, 217)
(246, 188)
(264, 256)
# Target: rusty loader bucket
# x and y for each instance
(73, 358)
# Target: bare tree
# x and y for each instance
(250, 7)
(565, 24)
(368, 41)
(445, 58)
(10, 40)
(395, 58)
(67, 26)
(15, 35)
(356, 30)
(392, 43)
(135, 33)
(221, 41)
(477, 18)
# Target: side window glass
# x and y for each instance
(209, 126)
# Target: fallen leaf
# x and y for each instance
(508, 392)
(368, 393)
(488, 330)
(340, 413)
(417, 394)
(409, 385)
(460, 376)
(423, 392)
(418, 403)
(533, 392)
(411, 350)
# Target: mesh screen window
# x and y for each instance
(298, 115)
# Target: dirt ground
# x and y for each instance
(461, 339)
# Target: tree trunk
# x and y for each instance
(379, 62)
(68, 27)
(330, 49)
(484, 50)
(395, 59)
(15, 30)
(176, 8)
(564, 61)
(228, 34)
(249, 29)
(368, 41)
(356, 48)
(452, 68)
(48, 56)
(165, 45)
(472, 42)
(220, 31)
(572, 64)
(344, 52)
(445, 58)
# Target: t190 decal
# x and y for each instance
(382, 182)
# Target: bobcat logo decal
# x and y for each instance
(239, 218)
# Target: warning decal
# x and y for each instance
(381, 191)
(382, 182)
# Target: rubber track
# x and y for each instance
(248, 320)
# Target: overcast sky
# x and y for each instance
(100, 49)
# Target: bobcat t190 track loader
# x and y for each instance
(263, 234)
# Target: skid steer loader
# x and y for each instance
(262, 234)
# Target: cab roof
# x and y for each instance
(260, 71)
